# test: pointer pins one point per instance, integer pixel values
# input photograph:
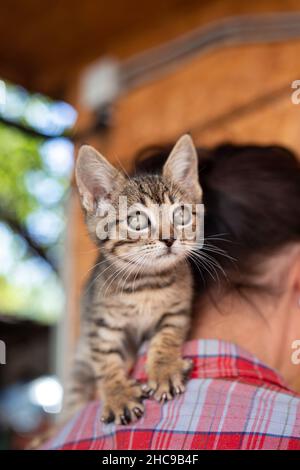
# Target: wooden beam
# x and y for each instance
(46, 48)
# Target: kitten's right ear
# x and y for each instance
(181, 166)
(96, 178)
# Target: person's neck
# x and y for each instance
(267, 331)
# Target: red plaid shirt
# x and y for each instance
(232, 401)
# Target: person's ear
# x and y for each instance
(96, 178)
(181, 167)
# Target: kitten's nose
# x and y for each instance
(169, 242)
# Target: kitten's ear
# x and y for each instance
(181, 166)
(96, 178)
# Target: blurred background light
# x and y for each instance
(45, 225)
(2, 95)
(23, 405)
(15, 103)
(12, 248)
(47, 190)
(46, 392)
(58, 156)
(52, 118)
(17, 411)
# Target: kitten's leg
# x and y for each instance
(121, 396)
(167, 370)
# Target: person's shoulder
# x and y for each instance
(224, 412)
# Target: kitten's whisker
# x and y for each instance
(123, 169)
(129, 273)
(212, 262)
(214, 237)
(140, 271)
(95, 265)
(210, 247)
(108, 282)
(114, 275)
(108, 258)
(204, 264)
(99, 275)
(201, 263)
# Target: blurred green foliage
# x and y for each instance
(34, 181)
(19, 154)
(29, 282)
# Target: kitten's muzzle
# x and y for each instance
(169, 242)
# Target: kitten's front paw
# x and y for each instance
(167, 380)
(123, 403)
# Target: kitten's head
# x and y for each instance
(150, 222)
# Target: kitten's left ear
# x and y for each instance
(181, 166)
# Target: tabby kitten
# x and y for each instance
(140, 287)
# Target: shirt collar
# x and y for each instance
(220, 359)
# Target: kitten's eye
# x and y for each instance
(138, 221)
(182, 216)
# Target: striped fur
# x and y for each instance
(139, 289)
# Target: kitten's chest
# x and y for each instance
(146, 308)
(139, 312)
(149, 310)
(150, 306)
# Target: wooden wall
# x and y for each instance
(44, 47)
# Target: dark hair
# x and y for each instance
(251, 195)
